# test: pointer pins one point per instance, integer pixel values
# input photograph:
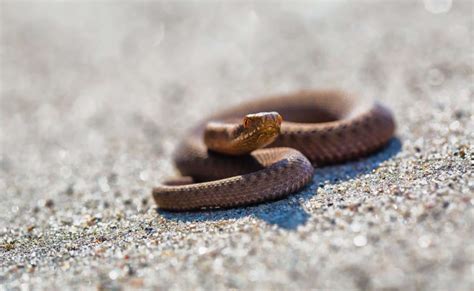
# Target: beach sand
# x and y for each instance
(95, 96)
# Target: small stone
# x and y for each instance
(49, 203)
(114, 274)
(8, 246)
(360, 241)
(424, 241)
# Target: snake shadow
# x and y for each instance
(288, 213)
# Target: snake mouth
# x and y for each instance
(260, 132)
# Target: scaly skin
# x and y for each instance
(256, 131)
(320, 127)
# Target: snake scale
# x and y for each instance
(273, 150)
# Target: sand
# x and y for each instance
(95, 96)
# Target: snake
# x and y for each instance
(269, 148)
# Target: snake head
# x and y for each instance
(259, 130)
(263, 120)
(256, 131)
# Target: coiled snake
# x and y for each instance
(263, 158)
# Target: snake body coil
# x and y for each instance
(319, 128)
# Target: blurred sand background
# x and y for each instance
(95, 95)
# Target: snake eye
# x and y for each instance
(246, 122)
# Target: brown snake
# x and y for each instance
(320, 127)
